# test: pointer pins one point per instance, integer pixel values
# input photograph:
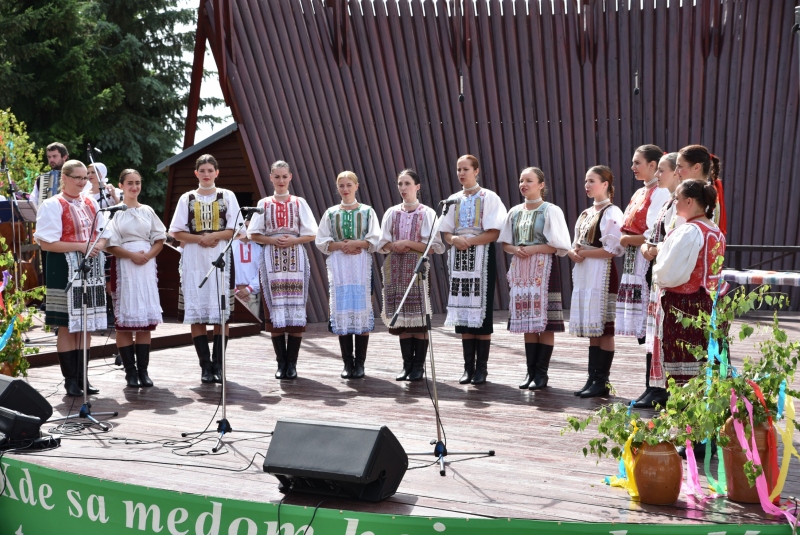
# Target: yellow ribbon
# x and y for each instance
(788, 447)
(630, 464)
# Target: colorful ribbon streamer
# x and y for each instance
(788, 448)
(751, 451)
(7, 335)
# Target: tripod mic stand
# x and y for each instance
(82, 272)
(223, 426)
(439, 446)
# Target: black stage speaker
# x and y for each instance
(364, 462)
(17, 426)
(17, 395)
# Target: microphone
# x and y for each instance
(251, 210)
(89, 148)
(114, 209)
(448, 202)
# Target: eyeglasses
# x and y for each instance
(78, 177)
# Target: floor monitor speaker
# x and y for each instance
(17, 395)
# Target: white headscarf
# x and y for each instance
(102, 172)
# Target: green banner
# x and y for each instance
(39, 501)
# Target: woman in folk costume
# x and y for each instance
(98, 187)
(348, 234)
(594, 278)
(405, 230)
(136, 236)
(695, 162)
(536, 233)
(65, 226)
(204, 221)
(286, 224)
(472, 226)
(637, 225)
(685, 277)
(655, 392)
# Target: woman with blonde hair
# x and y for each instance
(348, 234)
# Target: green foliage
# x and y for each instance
(23, 160)
(106, 72)
(16, 306)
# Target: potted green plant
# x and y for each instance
(16, 317)
(654, 469)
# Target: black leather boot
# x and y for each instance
(70, 374)
(600, 385)
(142, 362)
(481, 361)
(216, 357)
(407, 349)
(540, 376)
(346, 345)
(279, 344)
(468, 346)
(77, 356)
(204, 356)
(648, 365)
(292, 352)
(594, 353)
(531, 351)
(420, 354)
(128, 356)
(657, 397)
(360, 358)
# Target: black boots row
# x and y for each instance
(653, 396)
(476, 360)
(135, 360)
(353, 355)
(537, 358)
(599, 371)
(414, 351)
(210, 360)
(287, 349)
(71, 363)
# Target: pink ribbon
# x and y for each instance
(751, 451)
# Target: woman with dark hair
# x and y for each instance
(695, 162)
(65, 227)
(348, 234)
(203, 222)
(286, 224)
(472, 226)
(637, 225)
(535, 233)
(686, 279)
(594, 278)
(136, 236)
(405, 230)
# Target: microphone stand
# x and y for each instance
(16, 241)
(82, 271)
(223, 425)
(439, 447)
(89, 151)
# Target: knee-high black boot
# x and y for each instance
(360, 356)
(204, 356)
(540, 376)
(420, 354)
(292, 352)
(346, 345)
(216, 357)
(77, 356)
(468, 346)
(128, 356)
(647, 388)
(531, 352)
(594, 354)
(279, 344)
(407, 352)
(600, 385)
(142, 362)
(481, 361)
(70, 374)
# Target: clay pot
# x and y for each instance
(658, 473)
(739, 489)
(6, 369)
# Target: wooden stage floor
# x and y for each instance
(536, 474)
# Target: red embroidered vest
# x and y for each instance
(635, 219)
(702, 277)
(76, 220)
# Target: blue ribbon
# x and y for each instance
(781, 399)
(7, 335)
